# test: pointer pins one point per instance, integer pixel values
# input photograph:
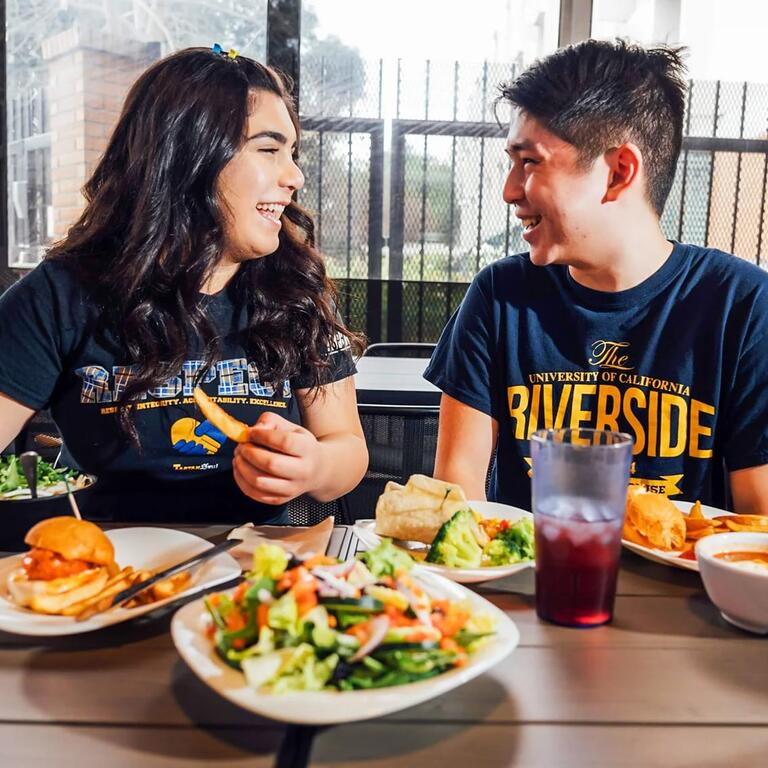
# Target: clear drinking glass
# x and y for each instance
(580, 479)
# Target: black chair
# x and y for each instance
(416, 349)
(304, 510)
(401, 442)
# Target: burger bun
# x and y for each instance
(73, 539)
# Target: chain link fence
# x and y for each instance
(405, 166)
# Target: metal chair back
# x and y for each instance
(401, 442)
(304, 510)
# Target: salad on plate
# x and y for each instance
(50, 479)
(320, 624)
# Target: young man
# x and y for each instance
(606, 323)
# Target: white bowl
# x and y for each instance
(740, 594)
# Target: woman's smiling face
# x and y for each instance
(258, 183)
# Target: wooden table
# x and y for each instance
(669, 683)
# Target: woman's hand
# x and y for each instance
(282, 461)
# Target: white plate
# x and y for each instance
(327, 707)
(366, 532)
(673, 558)
(143, 548)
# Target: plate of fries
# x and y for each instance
(140, 552)
(699, 521)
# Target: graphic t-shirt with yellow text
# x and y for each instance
(680, 362)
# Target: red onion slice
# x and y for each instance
(379, 628)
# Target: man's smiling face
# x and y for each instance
(556, 198)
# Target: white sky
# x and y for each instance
(439, 30)
(727, 38)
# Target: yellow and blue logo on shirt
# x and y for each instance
(195, 438)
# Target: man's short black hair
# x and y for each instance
(598, 94)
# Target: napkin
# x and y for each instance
(298, 540)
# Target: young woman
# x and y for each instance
(191, 264)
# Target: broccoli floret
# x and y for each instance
(456, 544)
(512, 545)
(386, 559)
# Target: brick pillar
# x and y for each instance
(89, 76)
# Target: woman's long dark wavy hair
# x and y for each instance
(153, 228)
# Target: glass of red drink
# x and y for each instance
(579, 489)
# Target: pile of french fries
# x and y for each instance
(124, 579)
(697, 526)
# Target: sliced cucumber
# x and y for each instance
(364, 604)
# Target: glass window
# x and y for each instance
(719, 195)
(401, 148)
(725, 41)
(69, 66)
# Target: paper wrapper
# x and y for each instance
(298, 540)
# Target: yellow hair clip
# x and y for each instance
(231, 54)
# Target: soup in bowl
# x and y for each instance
(734, 569)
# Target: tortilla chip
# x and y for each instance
(700, 534)
(696, 512)
(698, 524)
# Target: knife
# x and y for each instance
(127, 594)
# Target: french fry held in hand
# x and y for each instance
(229, 425)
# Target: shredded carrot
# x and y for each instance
(289, 578)
(449, 644)
(262, 613)
(361, 631)
(305, 586)
(449, 618)
(239, 643)
(319, 560)
(240, 592)
(397, 618)
(307, 602)
(332, 620)
(234, 621)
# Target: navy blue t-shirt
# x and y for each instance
(56, 353)
(680, 362)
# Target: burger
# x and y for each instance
(70, 560)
